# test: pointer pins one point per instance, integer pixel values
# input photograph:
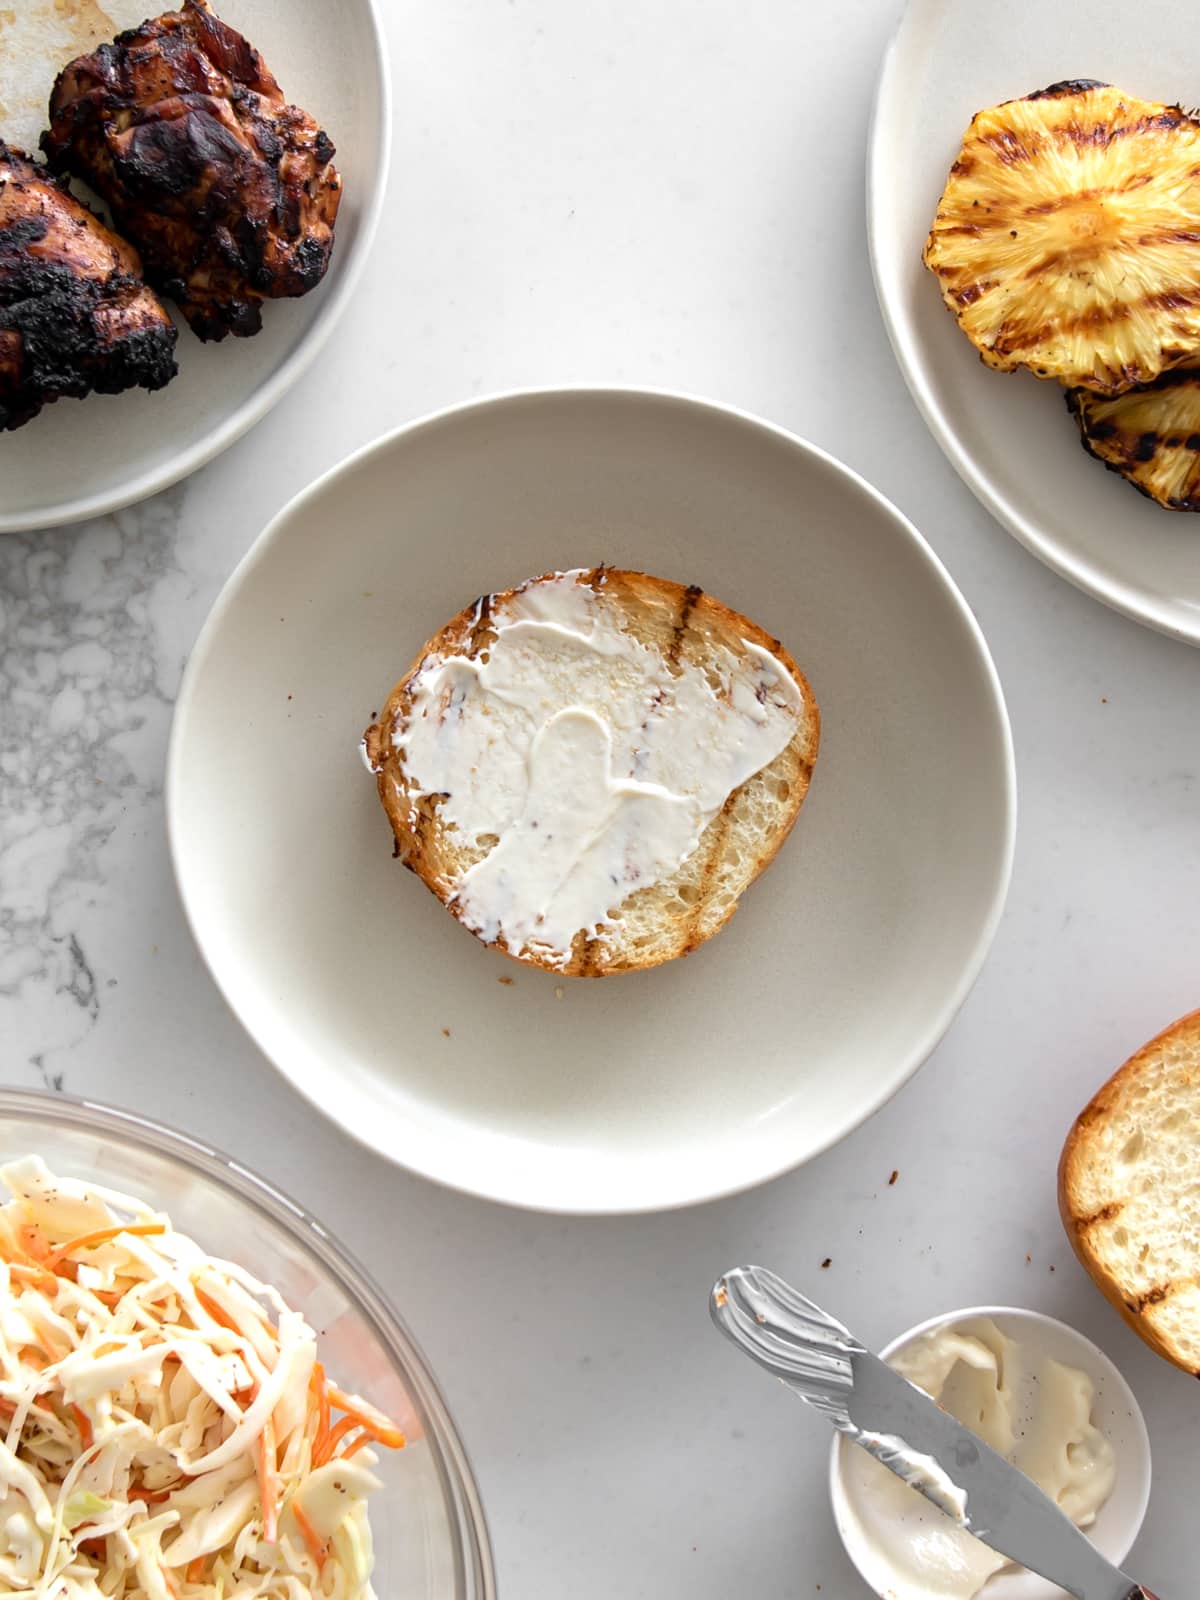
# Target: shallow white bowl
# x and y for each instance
(1115, 1412)
(1009, 435)
(846, 962)
(83, 458)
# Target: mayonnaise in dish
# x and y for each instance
(589, 763)
(1033, 1410)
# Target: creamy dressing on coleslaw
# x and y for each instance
(166, 1429)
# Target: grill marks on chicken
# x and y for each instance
(75, 313)
(229, 193)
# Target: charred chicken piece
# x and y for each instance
(229, 193)
(75, 312)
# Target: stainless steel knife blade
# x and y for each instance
(814, 1355)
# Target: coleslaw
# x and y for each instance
(167, 1431)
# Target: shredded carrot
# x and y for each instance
(195, 1569)
(152, 1497)
(316, 1545)
(355, 1446)
(24, 1264)
(318, 1382)
(89, 1241)
(10, 1244)
(334, 1437)
(215, 1311)
(219, 1314)
(33, 1242)
(268, 1486)
(37, 1276)
(381, 1428)
(8, 1408)
(38, 1248)
(85, 1426)
(44, 1345)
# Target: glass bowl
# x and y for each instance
(431, 1540)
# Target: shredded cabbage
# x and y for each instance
(166, 1429)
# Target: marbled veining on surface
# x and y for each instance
(672, 226)
(87, 678)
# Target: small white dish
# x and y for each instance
(845, 963)
(1115, 1412)
(1008, 435)
(83, 458)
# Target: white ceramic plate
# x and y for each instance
(83, 458)
(1010, 436)
(1115, 1412)
(845, 963)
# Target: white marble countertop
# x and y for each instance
(672, 194)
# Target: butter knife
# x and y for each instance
(821, 1361)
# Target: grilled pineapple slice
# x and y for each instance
(1067, 239)
(1150, 436)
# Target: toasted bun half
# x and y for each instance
(1130, 1196)
(665, 919)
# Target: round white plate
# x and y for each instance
(846, 961)
(81, 458)
(1009, 435)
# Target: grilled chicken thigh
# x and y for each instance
(75, 312)
(229, 192)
